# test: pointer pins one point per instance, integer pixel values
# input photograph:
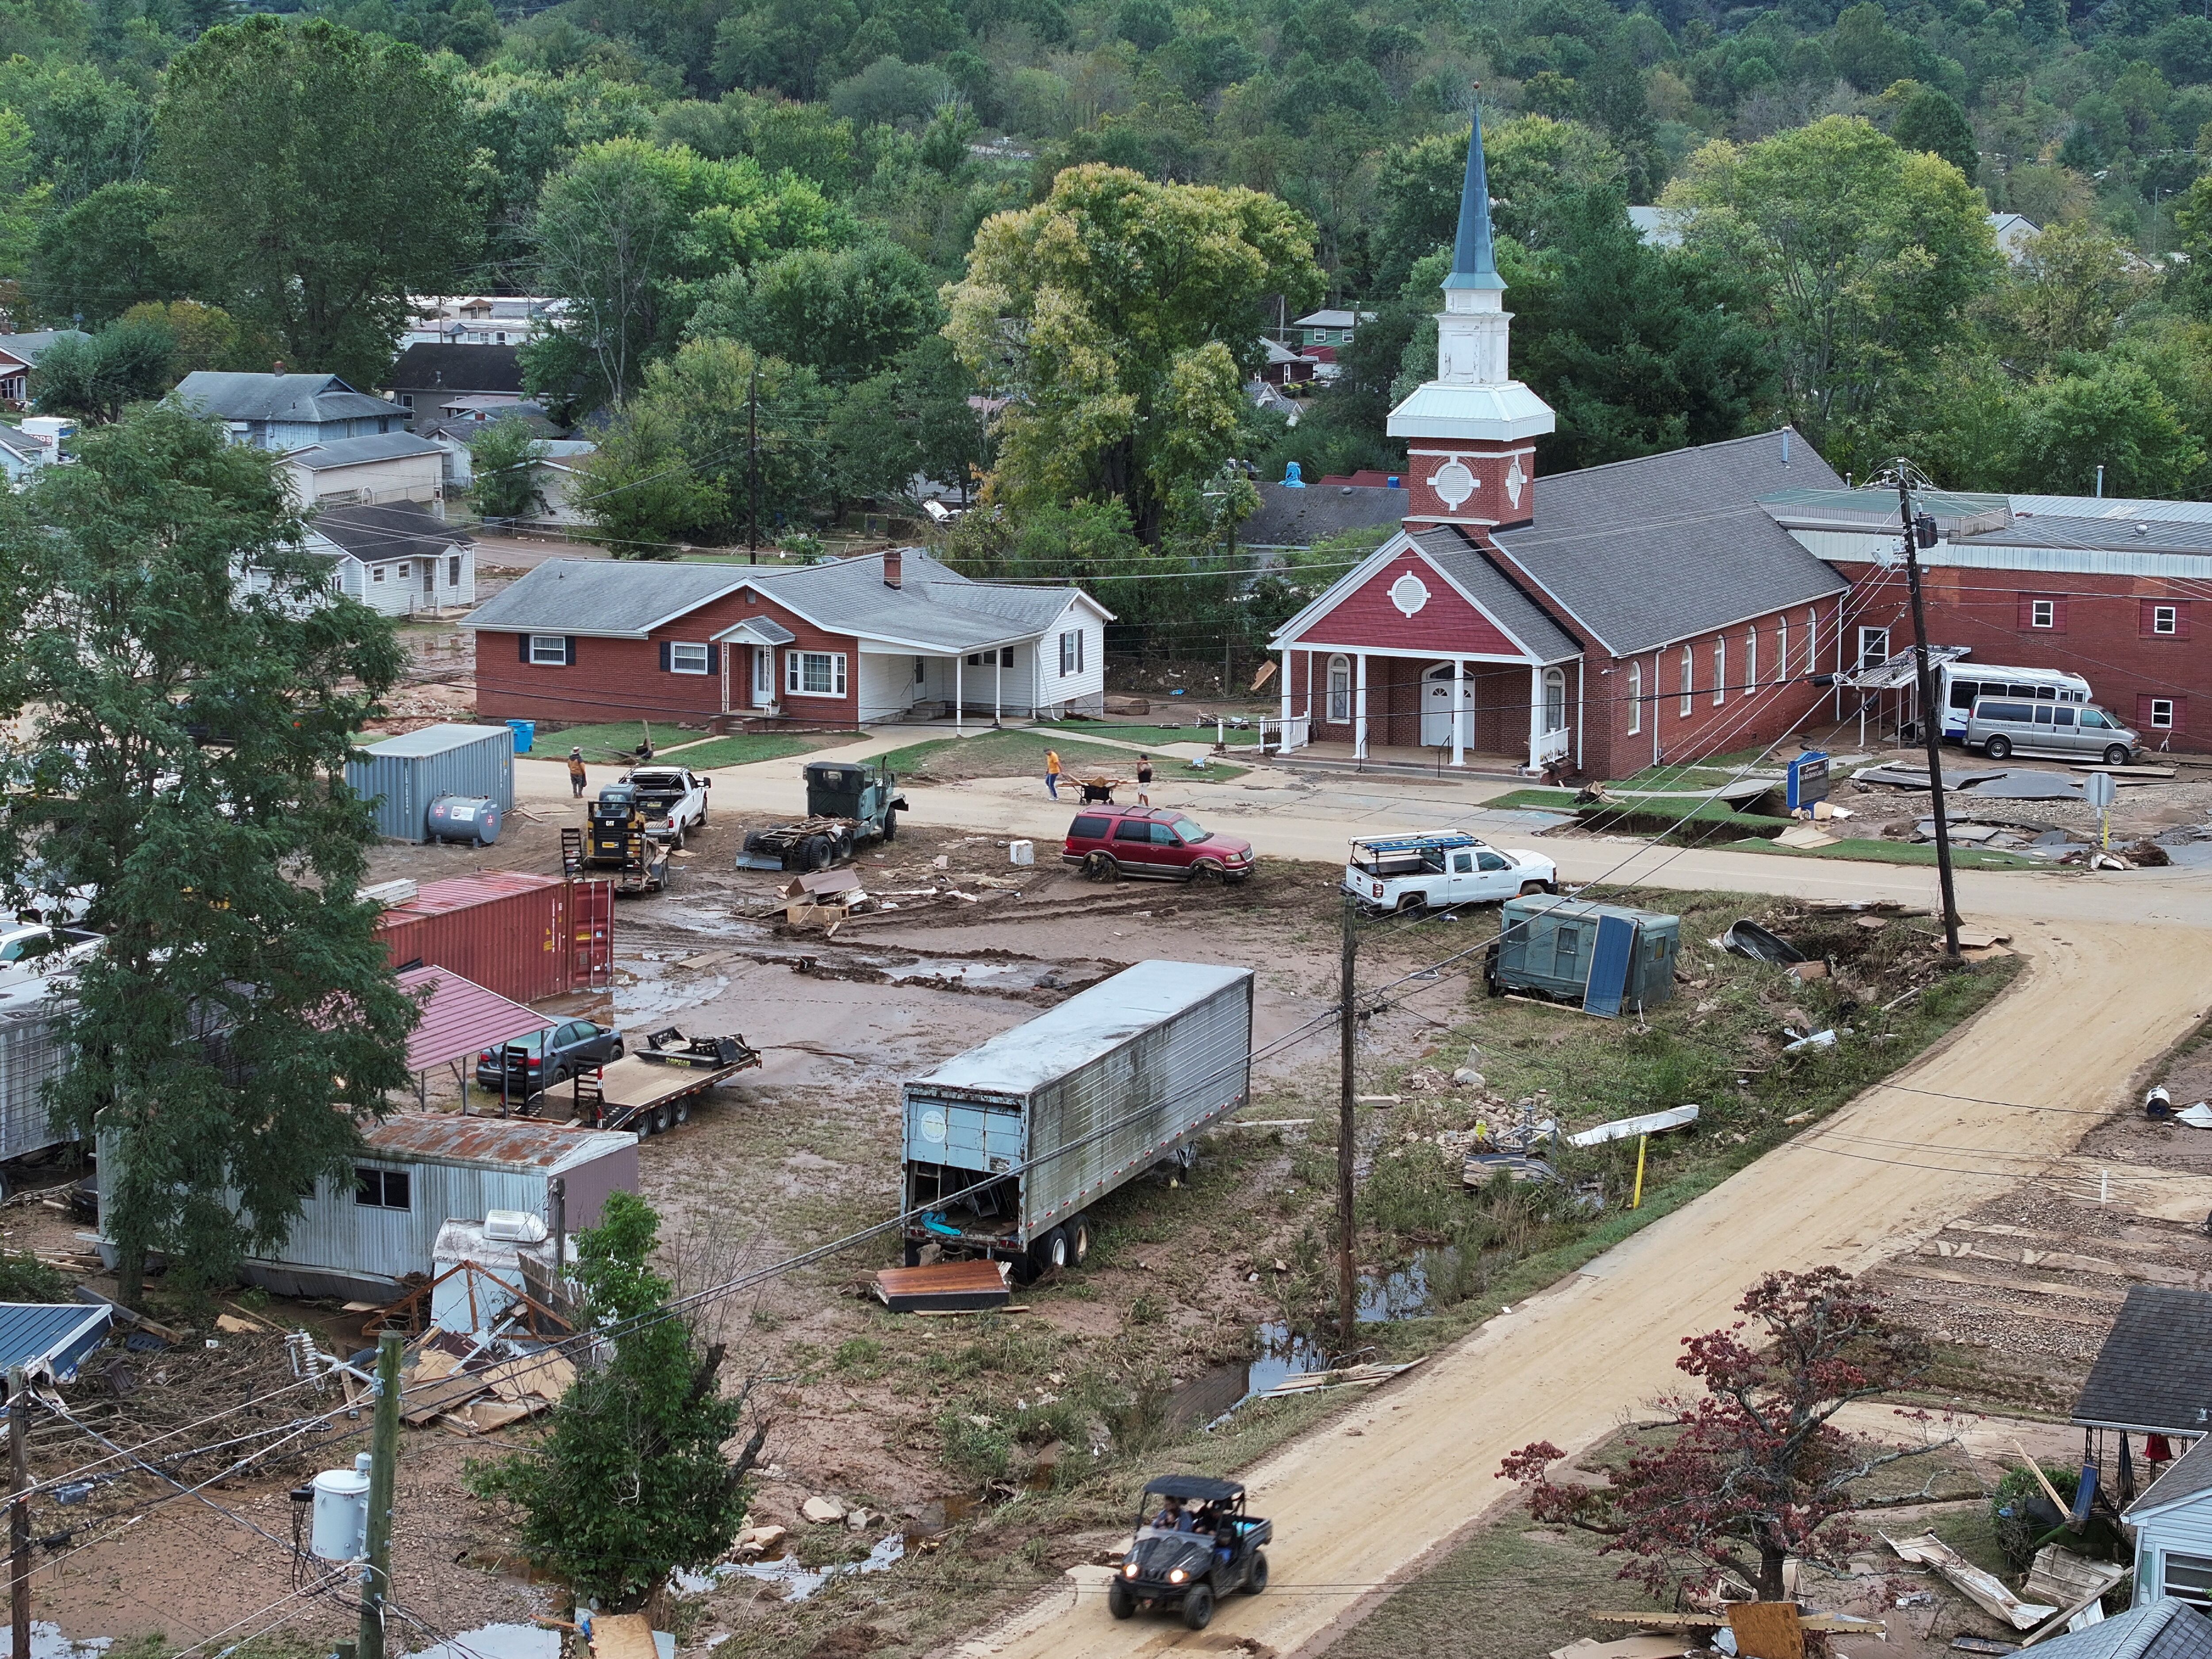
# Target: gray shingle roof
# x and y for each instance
(2163, 1629)
(454, 369)
(1514, 610)
(1646, 552)
(236, 396)
(608, 598)
(356, 451)
(2154, 1371)
(2186, 1476)
(395, 530)
(30, 347)
(1299, 518)
(933, 609)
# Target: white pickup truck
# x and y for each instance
(673, 799)
(1405, 872)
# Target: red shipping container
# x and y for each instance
(526, 937)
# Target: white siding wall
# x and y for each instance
(886, 685)
(403, 479)
(1086, 691)
(402, 590)
(2186, 1531)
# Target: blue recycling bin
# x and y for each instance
(525, 733)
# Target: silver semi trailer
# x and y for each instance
(1008, 1146)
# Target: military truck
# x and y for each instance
(849, 804)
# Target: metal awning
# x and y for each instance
(50, 1338)
(1901, 670)
(461, 1018)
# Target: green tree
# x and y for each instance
(1862, 256)
(1534, 164)
(94, 376)
(2116, 418)
(844, 312)
(628, 233)
(649, 1422)
(98, 259)
(1931, 120)
(203, 336)
(241, 1017)
(502, 470)
(1119, 317)
(2068, 292)
(315, 185)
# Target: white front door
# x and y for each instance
(763, 677)
(1437, 706)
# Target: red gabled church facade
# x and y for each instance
(1601, 621)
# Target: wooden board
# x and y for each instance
(944, 1286)
(1767, 1630)
(2147, 1273)
(622, 1636)
(2025, 1286)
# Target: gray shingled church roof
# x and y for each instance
(1646, 552)
(2154, 1371)
(1514, 610)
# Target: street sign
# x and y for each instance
(2100, 790)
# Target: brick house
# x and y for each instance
(1609, 618)
(843, 643)
(2101, 588)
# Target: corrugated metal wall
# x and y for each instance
(400, 787)
(29, 1058)
(1189, 1069)
(509, 932)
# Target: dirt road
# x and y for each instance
(1365, 1499)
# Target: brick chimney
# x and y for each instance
(892, 571)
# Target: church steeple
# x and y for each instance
(1473, 263)
(1470, 461)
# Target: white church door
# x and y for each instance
(1437, 706)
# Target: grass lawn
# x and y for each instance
(1654, 815)
(1014, 754)
(1166, 734)
(616, 743)
(1898, 852)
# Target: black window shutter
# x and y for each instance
(663, 656)
(714, 657)
(571, 643)
(523, 639)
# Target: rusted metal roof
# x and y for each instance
(460, 1018)
(520, 1143)
(438, 898)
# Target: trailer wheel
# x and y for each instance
(681, 1112)
(1078, 1229)
(659, 1119)
(1049, 1253)
(890, 823)
(1198, 1607)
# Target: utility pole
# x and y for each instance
(752, 465)
(383, 1467)
(19, 1513)
(1347, 1026)
(1931, 717)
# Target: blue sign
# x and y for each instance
(1809, 779)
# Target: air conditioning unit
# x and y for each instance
(513, 1227)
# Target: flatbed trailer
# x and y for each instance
(652, 1088)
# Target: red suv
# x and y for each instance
(1152, 840)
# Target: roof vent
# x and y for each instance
(2142, 530)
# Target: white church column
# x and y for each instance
(959, 701)
(1535, 716)
(1459, 711)
(1286, 743)
(1359, 707)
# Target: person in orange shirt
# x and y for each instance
(1052, 772)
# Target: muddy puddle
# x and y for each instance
(796, 1580)
(1405, 1292)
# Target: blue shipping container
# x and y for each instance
(400, 776)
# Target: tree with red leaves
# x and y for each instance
(1751, 1472)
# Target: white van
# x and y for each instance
(1960, 683)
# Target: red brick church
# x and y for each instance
(1606, 618)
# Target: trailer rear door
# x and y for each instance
(963, 1133)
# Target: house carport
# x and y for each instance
(460, 1019)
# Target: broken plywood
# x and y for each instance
(944, 1287)
(1984, 1590)
(1767, 1630)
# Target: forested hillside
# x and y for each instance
(782, 211)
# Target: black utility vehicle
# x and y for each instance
(1195, 1545)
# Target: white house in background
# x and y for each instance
(461, 319)
(555, 472)
(36, 443)
(389, 466)
(398, 557)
